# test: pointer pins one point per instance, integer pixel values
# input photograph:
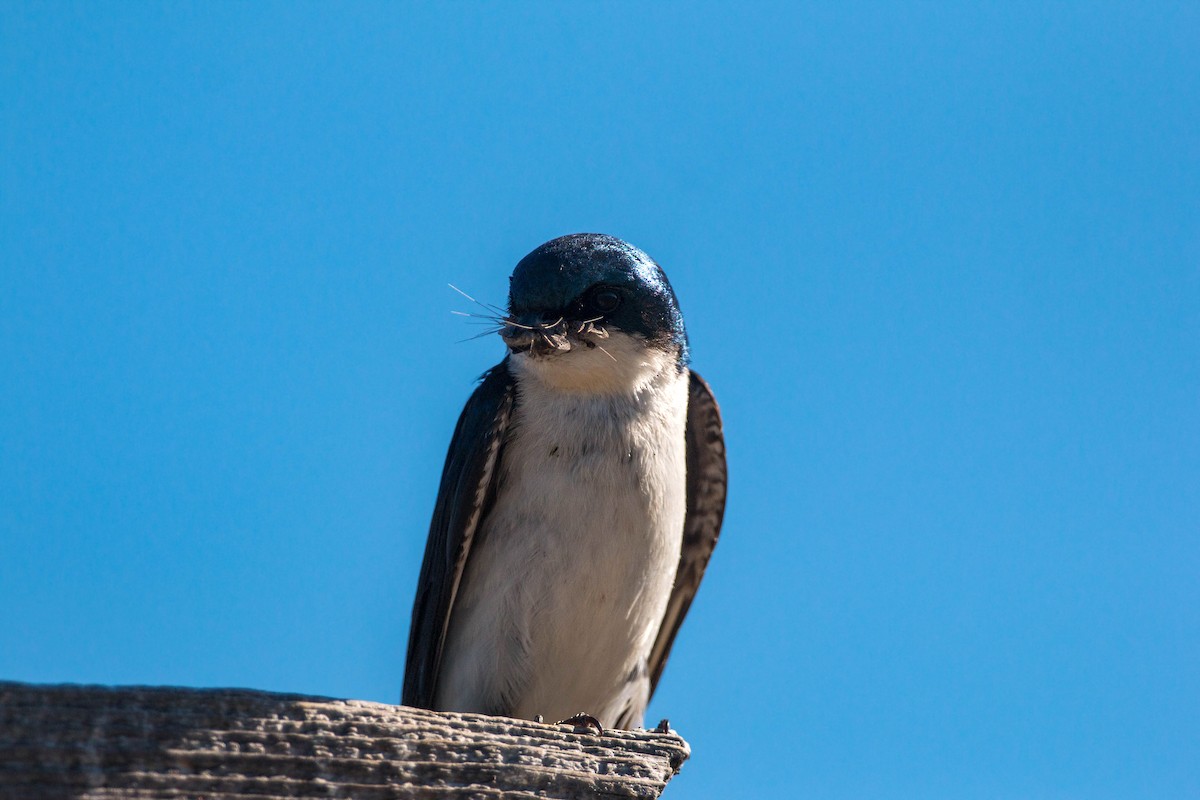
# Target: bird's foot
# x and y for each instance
(664, 726)
(583, 721)
(538, 719)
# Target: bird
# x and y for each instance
(581, 498)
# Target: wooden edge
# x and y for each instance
(142, 742)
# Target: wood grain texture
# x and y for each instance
(140, 742)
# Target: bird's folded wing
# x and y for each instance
(706, 483)
(466, 494)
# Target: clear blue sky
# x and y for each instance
(941, 266)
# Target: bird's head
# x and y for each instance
(589, 312)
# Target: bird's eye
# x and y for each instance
(605, 301)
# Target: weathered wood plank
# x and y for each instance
(106, 743)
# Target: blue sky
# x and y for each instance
(939, 263)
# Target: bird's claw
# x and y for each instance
(583, 721)
(664, 726)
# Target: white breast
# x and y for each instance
(563, 594)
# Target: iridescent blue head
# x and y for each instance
(590, 279)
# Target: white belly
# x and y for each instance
(565, 590)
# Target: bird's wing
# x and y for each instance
(706, 481)
(466, 494)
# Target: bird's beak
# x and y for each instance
(530, 333)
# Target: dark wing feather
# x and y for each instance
(466, 494)
(706, 482)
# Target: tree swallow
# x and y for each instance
(580, 501)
